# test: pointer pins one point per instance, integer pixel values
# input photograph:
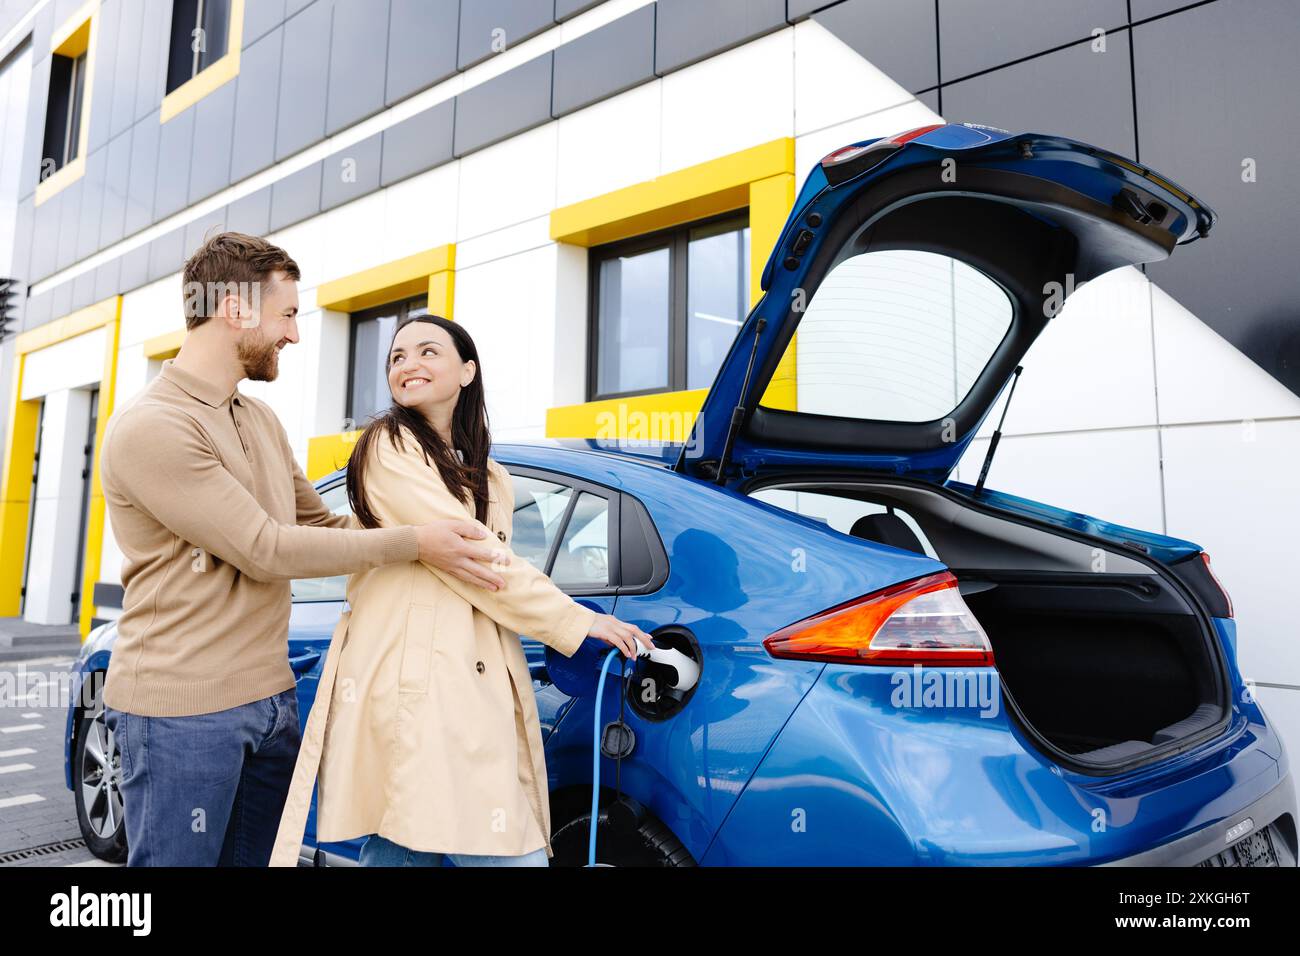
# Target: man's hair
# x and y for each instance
(229, 261)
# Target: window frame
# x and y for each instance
(403, 307)
(196, 57)
(677, 240)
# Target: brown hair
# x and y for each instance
(228, 261)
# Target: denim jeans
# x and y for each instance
(209, 789)
(378, 851)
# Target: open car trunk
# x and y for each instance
(1105, 658)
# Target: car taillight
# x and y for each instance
(924, 621)
(848, 162)
(1217, 583)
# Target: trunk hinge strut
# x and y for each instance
(997, 435)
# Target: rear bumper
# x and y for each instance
(1276, 806)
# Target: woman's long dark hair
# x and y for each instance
(469, 432)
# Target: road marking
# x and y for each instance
(15, 767)
(32, 716)
(20, 752)
(20, 728)
(7, 802)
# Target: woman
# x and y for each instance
(425, 726)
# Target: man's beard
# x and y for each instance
(259, 357)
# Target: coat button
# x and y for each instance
(501, 535)
(479, 666)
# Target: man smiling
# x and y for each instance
(215, 518)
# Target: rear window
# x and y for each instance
(897, 335)
(842, 513)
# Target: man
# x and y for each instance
(214, 518)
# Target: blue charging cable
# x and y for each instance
(595, 758)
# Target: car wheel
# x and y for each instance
(97, 775)
(649, 843)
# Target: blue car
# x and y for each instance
(895, 668)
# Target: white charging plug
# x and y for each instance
(688, 672)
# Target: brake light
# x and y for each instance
(1227, 599)
(924, 621)
(848, 162)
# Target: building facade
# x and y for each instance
(592, 189)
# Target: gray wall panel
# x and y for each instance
(214, 124)
(488, 27)
(143, 175)
(688, 30)
(37, 311)
(980, 34)
(358, 53)
(101, 106)
(151, 81)
(564, 9)
(504, 105)
(895, 36)
(259, 78)
(260, 18)
(351, 173)
(24, 222)
(34, 137)
(69, 224)
(83, 290)
(1074, 92)
(45, 237)
(92, 204)
(117, 177)
(1198, 127)
(107, 277)
(135, 269)
(304, 77)
(614, 58)
(126, 66)
(421, 45)
(295, 197)
(418, 143)
(61, 300)
(1141, 9)
(800, 9)
(175, 148)
(251, 214)
(166, 254)
(200, 230)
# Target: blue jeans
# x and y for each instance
(209, 789)
(378, 851)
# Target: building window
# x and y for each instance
(372, 334)
(666, 307)
(200, 35)
(63, 112)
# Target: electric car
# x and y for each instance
(894, 667)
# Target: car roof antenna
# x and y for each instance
(997, 435)
(737, 413)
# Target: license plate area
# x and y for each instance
(1254, 849)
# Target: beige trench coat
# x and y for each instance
(425, 728)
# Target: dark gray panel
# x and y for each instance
(166, 254)
(252, 214)
(1141, 9)
(43, 29)
(564, 9)
(117, 176)
(980, 34)
(894, 36)
(83, 290)
(614, 58)
(418, 143)
(106, 279)
(1074, 92)
(24, 222)
(358, 53)
(201, 230)
(351, 173)
(61, 300)
(296, 197)
(37, 311)
(931, 99)
(125, 67)
(143, 174)
(151, 81)
(175, 145)
(214, 123)
(488, 27)
(294, 6)
(503, 106)
(688, 30)
(253, 148)
(69, 224)
(45, 237)
(421, 45)
(135, 269)
(92, 204)
(34, 137)
(304, 76)
(101, 106)
(796, 10)
(260, 18)
(1198, 127)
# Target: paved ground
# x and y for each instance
(37, 811)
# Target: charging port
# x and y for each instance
(652, 693)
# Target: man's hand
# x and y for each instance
(449, 545)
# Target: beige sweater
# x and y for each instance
(214, 518)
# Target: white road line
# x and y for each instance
(6, 802)
(32, 716)
(15, 767)
(20, 752)
(20, 728)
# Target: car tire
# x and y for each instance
(649, 843)
(99, 802)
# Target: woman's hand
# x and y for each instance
(619, 634)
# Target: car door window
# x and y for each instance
(539, 510)
(334, 587)
(583, 558)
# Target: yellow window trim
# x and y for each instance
(760, 178)
(327, 453)
(20, 456)
(217, 74)
(431, 271)
(164, 346)
(75, 36)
